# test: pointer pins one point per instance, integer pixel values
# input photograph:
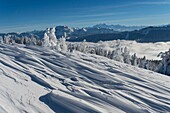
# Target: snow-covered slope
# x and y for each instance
(37, 80)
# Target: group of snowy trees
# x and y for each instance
(6, 39)
(119, 54)
(50, 40)
(12, 39)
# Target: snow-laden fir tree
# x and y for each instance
(117, 55)
(126, 56)
(1, 40)
(26, 40)
(109, 54)
(45, 40)
(22, 40)
(83, 47)
(142, 63)
(58, 47)
(52, 36)
(62, 43)
(134, 60)
(165, 63)
(33, 41)
(12, 41)
(6, 39)
(49, 39)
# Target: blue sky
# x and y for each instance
(26, 15)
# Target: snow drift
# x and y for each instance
(35, 79)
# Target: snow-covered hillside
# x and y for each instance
(38, 80)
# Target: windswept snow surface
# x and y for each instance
(37, 80)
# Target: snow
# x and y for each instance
(150, 50)
(40, 80)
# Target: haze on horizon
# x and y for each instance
(26, 15)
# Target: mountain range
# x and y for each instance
(119, 27)
(147, 34)
(104, 32)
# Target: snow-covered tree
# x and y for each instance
(45, 41)
(142, 62)
(22, 40)
(92, 51)
(83, 47)
(117, 55)
(6, 39)
(109, 54)
(105, 53)
(33, 41)
(12, 41)
(126, 56)
(165, 63)
(26, 40)
(49, 39)
(1, 40)
(58, 47)
(62, 43)
(52, 37)
(134, 60)
(70, 47)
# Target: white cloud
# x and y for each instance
(153, 3)
(95, 15)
